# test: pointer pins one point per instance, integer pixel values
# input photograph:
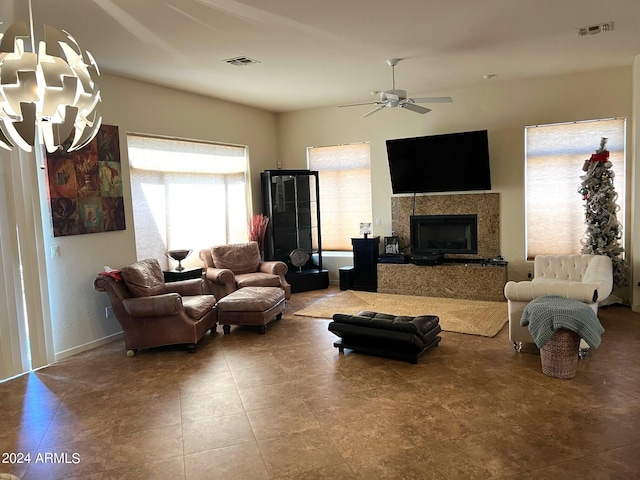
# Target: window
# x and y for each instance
(344, 177)
(186, 195)
(555, 155)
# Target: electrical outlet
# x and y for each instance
(108, 311)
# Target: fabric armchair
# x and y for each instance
(153, 313)
(231, 267)
(586, 278)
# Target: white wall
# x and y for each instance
(504, 108)
(77, 310)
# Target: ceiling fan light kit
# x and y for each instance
(395, 98)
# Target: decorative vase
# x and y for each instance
(178, 256)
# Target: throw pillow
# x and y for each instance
(144, 278)
(239, 258)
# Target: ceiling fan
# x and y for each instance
(398, 98)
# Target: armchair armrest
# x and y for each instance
(156, 306)
(526, 291)
(274, 267)
(222, 276)
(221, 281)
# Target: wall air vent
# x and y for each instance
(240, 61)
(595, 29)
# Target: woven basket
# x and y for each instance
(560, 354)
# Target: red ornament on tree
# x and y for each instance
(600, 156)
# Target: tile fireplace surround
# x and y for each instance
(485, 205)
(472, 281)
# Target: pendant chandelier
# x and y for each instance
(46, 94)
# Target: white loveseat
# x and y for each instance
(587, 278)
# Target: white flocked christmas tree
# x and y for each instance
(603, 230)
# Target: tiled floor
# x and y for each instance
(287, 405)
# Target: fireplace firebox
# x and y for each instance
(444, 234)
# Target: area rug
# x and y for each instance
(473, 317)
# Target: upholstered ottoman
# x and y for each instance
(251, 306)
(404, 338)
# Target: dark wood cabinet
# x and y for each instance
(365, 263)
(290, 198)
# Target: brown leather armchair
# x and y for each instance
(153, 313)
(231, 267)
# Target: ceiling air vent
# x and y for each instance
(240, 61)
(595, 29)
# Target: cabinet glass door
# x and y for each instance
(293, 200)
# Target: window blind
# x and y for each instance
(344, 177)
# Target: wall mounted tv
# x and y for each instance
(452, 162)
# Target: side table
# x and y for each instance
(365, 262)
(186, 274)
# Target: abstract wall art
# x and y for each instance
(85, 186)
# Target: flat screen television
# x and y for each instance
(452, 162)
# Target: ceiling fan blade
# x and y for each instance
(373, 111)
(433, 100)
(415, 108)
(358, 104)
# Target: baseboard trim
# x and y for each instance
(88, 346)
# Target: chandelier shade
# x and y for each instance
(48, 94)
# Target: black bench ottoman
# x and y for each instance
(403, 338)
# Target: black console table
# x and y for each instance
(365, 260)
(186, 274)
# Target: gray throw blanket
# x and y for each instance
(544, 315)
